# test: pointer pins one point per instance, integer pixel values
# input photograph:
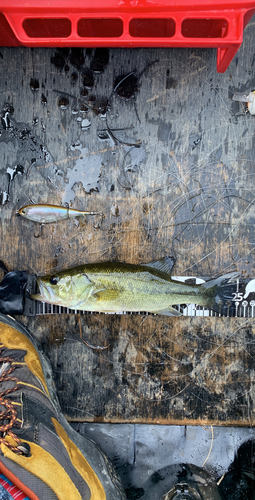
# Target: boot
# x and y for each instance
(39, 452)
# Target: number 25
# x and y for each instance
(238, 296)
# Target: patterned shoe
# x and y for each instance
(39, 452)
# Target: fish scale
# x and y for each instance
(119, 287)
(34, 307)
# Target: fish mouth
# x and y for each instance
(44, 295)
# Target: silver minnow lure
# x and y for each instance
(51, 213)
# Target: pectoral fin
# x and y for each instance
(106, 295)
(170, 311)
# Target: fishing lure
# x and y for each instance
(249, 99)
(51, 213)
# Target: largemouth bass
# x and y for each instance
(118, 287)
(51, 213)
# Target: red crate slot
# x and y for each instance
(100, 28)
(47, 27)
(204, 28)
(111, 23)
(152, 28)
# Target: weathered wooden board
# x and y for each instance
(170, 370)
(169, 159)
(188, 188)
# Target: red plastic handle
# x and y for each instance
(234, 20)
(56, 26)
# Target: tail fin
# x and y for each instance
(221, 280)
(221, 292)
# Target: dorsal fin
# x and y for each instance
(165, 265)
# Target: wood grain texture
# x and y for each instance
(171, 167)
(171, 370)
(169, 159)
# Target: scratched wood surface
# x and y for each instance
(167, 371)
(153, 139)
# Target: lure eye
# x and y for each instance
(54, 280)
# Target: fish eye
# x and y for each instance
(54, 280)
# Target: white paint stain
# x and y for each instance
(250, 287)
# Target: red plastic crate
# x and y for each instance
(127, 23)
